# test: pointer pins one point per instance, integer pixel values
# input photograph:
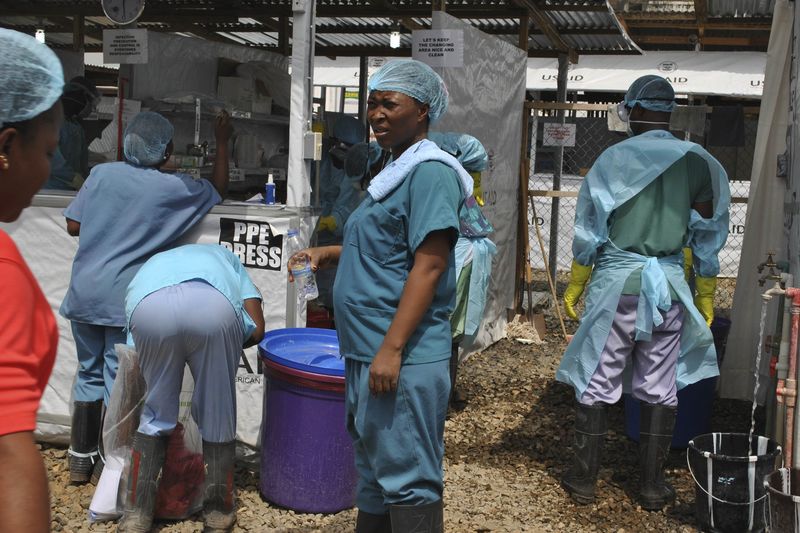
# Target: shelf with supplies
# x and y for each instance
(186, 108)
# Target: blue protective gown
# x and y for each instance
(619, 174)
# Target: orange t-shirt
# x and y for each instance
(28, 341)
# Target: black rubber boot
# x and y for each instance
(147, 459)
(373, 523)
(97, 471)
(219, 509)
(83, 453)
(587, 448)
(425, 518)
(657, 423)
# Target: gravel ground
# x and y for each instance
(505, 449)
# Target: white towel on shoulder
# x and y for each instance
(395, 172)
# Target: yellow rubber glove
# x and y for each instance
(704, 297)
(578, 277)
(477, 191)
(327, 223)
(687, 263)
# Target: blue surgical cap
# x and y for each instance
(349, 130)
(146, 139)
(467, 149)
(415, 79)
(31, 77)
(651, 92)
(360, 157)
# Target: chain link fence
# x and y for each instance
(551, 208)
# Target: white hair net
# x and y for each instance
(651, 92)
(415, 79)
(31, 77)
(146, 139)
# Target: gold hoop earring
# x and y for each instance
(4, 162)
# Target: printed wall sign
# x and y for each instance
(253, 242)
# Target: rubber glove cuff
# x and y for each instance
(578, 277)
(688, 263)
(704, 297)
(327, 223)
(477, 191)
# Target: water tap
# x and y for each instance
(771, 274)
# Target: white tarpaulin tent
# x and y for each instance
(709, 73)
(765, 216)
(486, 101)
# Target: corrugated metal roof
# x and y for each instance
(586, 25)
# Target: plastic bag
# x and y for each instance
(180, 492)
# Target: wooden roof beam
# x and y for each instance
(548, 28)
(760, 41)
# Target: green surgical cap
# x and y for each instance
(31, 77)
(415, 79)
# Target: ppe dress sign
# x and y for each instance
(125, 46)
(253, 242)
(438, 48)
(558, 134)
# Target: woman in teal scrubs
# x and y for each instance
(393, 295)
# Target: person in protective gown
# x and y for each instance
(125, 212)
(393, 296)
(474, 251)
(71, 160)
(642, 202)
(338, 197)
(192, 305)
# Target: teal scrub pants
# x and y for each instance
(97, 360)
(398, 438)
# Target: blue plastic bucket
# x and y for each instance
(307, 461)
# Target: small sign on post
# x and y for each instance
(554, 134)
(125, 46)
(438, 48)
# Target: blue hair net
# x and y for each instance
(360, 157)
(146, 139)
(415, 79)
(31, 77)
(467, 149)
(349, 130)
(651, 92)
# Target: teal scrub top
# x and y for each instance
(211, 263)
(127, 214)
(380, 239)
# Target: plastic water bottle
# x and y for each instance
(300, 264)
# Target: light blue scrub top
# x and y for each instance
(127, 213)
(211, 263)
(618, 175)
(380, 239)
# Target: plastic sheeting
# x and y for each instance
(486, 101)
(765, 215)
(42, 239)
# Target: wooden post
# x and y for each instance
(523, 244)
(283, 36)
(524, 29)
(78, 32)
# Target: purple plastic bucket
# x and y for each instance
(307, 461)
